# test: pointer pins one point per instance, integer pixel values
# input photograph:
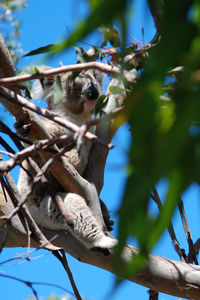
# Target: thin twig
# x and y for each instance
(36, 179)
(12, 154)
(171, 231)
(5, 129)
(6, 166)
(191, 255)
(39, 235)
(197, 246)
(60, 255)
(14, 195)
(31, 283)
(27, 283)
(41, 239)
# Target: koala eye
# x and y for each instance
(91, 92)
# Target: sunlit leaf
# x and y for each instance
(110, 35)
(116, 90)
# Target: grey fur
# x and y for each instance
(76, 105)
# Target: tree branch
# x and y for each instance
(162, 274)
(110, 70)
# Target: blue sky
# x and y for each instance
(46, 22)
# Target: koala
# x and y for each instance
(79, 96)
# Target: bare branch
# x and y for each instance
(192, 254)
(62, 258)
(27, 283)
(30, 284)
(171, 231)
(197, 246)
(6, 166)
(111, 70)
(167, 276)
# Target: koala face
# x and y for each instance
(79, 92)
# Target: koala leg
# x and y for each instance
(83, 225)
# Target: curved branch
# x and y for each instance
(110, 70)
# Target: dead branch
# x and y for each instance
(197, 246)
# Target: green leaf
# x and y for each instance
(41, 50)
(110, 35)
(116, 90)
(100, 105)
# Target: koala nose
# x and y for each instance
(92, 92)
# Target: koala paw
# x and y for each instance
(106, 216)
(22, 128)
(109, 224)
(105, 245)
